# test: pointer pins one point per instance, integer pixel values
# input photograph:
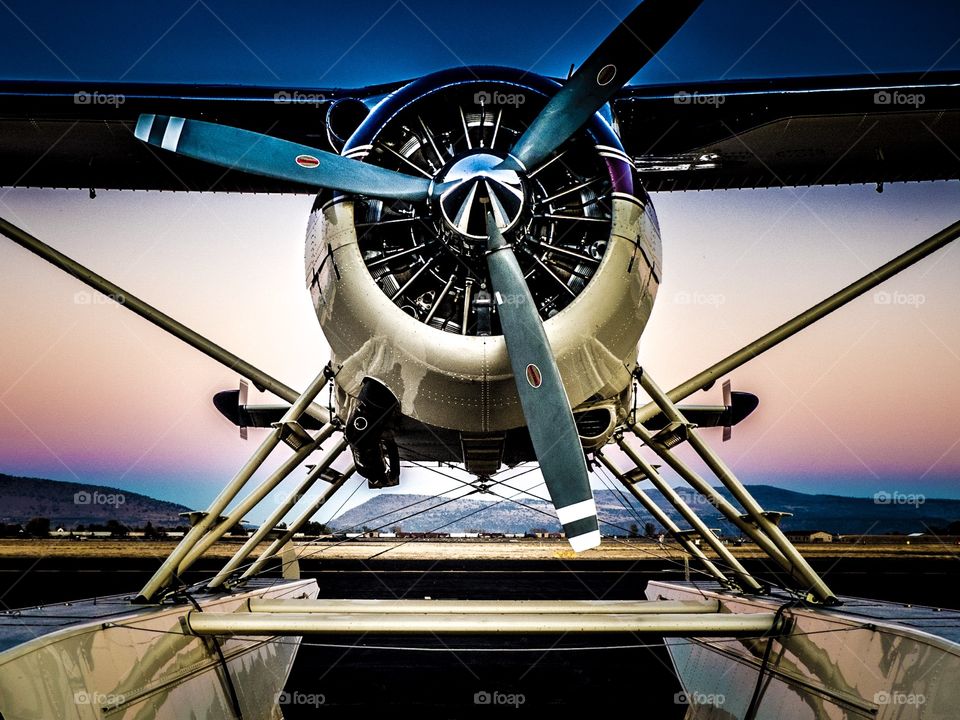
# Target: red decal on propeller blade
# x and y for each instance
(307, 161)
(533, 376)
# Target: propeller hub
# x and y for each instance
(470, 186)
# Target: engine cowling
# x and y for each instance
(401, 289)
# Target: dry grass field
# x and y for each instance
(494, 549)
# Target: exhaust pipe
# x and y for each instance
(375, 453)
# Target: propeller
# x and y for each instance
(728, 404)
(542, 395)
(242, 403)
(261, 154)
(631, 45)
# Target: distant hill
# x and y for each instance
(69, 504)
(833, 513)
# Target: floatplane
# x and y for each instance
(483, 256)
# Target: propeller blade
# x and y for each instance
(631, 45)
(727, 403)
(261, 154)
(242, 403)
(542, 396)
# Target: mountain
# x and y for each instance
(388, 510)
(890, 513)
(69, 504)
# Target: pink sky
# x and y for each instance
(865, 401)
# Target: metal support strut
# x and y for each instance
(277, 516)
(669, 525)
(433, 617)
(805, 319)
(253, 499)
(743, 578)
(756, 522)
(287, 429)
(131, 302)
(302, 520)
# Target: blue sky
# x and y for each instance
(324, 44)
(865, 402)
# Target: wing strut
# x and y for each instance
(131, 302)
(805, 319)
(755, 522)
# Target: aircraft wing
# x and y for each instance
(714, 135)
(793, 131)
(80, 135)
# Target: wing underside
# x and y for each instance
(714, 135)
(794, 132)
(77, 135)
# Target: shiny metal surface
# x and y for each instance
(316, 623)
(140, 663)
(465, 382)
(472, 607)
(869, 659)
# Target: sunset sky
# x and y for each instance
(865, 401)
